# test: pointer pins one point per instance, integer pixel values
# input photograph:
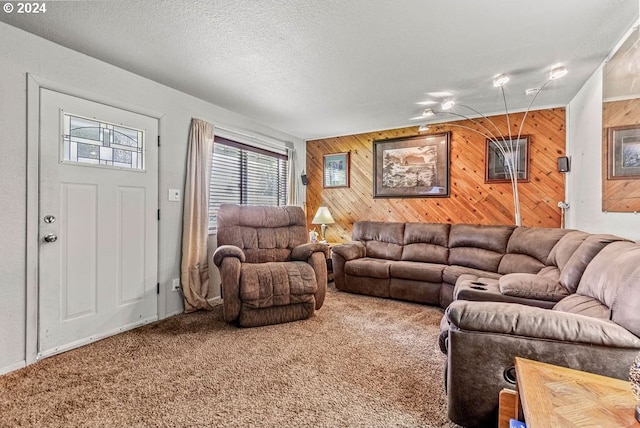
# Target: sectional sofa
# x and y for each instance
(560, 296)
(422, 262)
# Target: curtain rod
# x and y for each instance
(273, 144)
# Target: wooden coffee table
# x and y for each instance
(554, 396)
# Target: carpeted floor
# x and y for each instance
(359, 362)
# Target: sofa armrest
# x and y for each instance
(350, 250)
(537, 323)
(485, 337)
(531, 286)
(227, 251)
(304, 251)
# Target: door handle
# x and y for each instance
(50, 237)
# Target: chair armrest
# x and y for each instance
(227, 251)
(304, 251)
(538, 323)
(350, 250)
(230, 268)
(318, 262)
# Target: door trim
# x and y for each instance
(34, 84)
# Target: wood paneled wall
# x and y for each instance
(471, 201)
(619, 195)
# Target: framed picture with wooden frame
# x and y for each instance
(623, 152)
(335, 170)
(497, 156)
(412, 167)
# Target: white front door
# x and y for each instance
(97, 221)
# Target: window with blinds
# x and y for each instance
(241, 174)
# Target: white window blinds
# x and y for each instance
(241, 174)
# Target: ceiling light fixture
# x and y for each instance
(500, 80)
(507, 145)
(557, 72)
(448, 105)
(423, 128)
(428, 112)
(440, 94)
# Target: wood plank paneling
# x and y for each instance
(471, 201)
(619, 195)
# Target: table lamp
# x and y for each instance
(323, 217)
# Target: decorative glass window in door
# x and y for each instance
(91, 141)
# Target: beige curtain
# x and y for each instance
(292, 179)
(194, 269)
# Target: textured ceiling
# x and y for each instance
(318, 68)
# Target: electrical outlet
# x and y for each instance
(174, 195)
(175, 284)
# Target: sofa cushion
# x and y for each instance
(492, 238)
(566, 246)
(612, 277)
(573, 269)
(583, 305)
(263, 285)
(537, 324)
(529, 248)
(426, 242)
(381, 239)
(450, 274)
(476, 258)
(418, 271)
(427, 253)
(478, 247)
(532, 286)
(470, 287)
(430, 233)
(368, 267)
(383, 250)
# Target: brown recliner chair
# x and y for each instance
(270, 274)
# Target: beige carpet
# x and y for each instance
(359, 362)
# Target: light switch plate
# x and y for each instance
(174, 195)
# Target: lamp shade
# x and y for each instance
(323, 216)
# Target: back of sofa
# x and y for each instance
(529, 248)
(426, 242)
(478, 246)
(560, 254)
(610, 287)
(382, 240)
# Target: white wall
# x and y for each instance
(22, 53)
(584, 182)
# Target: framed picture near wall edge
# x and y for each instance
(495, 159)
(335, 170)
(412, 167)
(623, 152)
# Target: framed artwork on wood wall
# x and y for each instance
(623, 152)
(500, 153)
(413, 167)
(335, 170)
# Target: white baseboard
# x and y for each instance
(215, 301)
(12, 367)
